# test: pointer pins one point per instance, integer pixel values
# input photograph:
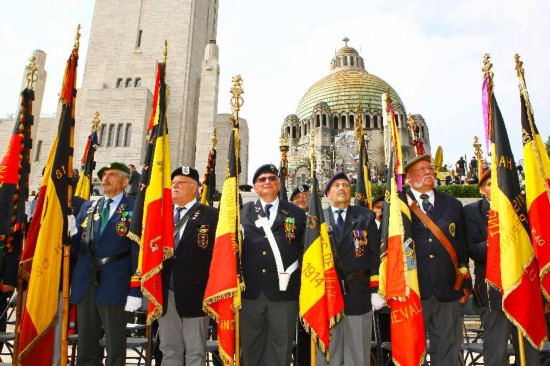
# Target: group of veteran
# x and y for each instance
(272, 248)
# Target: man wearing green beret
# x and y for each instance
(102, 283)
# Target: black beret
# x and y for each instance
(187, 171)
(425, 157)
(486, 174)
(266, 168)
(114, 165)
(380, 197)
(299, 189)
(336, 176)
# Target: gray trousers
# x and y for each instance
(442, 322)
(94, 320)
(182, 340)
(496, 334)
(350, 342)
(267, 331)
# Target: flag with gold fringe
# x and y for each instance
(511, 264)
(321, 300)
(84, 186)
(50, 227)
(363, 187)
(222, 297)
(208, 187)
(154, 229)
(399, 279)
(536, 166)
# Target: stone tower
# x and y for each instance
(126, 41)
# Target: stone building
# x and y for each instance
(126, 41)
(329, 110)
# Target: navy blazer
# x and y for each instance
(436, 273)
(258, 261)
(190, 264)
(114, 277)
(357, 255)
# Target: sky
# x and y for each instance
(430, 52)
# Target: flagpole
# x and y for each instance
(31, 76)
(479, 155)
(313, 347)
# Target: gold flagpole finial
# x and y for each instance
(165, 52)
(32, 72)
(283, 148)
(214, 138)
(520, 72)
(237, 91)
(388, 97)
(487, 70)
(96, 122)
(77, 37)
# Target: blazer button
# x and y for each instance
(432, 256)
(264, 271)
(430, 240)
(264, 253)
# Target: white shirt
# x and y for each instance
(182, 213)
(335, 215)
(272, 210)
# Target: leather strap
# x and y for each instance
(359, 275)
(435, 230)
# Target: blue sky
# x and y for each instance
(429, 51)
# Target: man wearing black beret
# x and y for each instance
(357, 239)
(271, 249)
(300, 196)
(183, 326)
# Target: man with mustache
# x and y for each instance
(443, 276)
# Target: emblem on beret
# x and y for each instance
(185, 170)
(301, 188)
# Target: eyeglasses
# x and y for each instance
(271, 178)
(425, 169)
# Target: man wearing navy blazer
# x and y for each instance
(271, 249)
(183, 326)
(436, 271)
(106, 260)
(356, 241)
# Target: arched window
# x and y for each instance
(119, 134)
(351, 121)
(317, 121)
(352, 61)
(102, 134)
(324, 120)
(37, 150)
(345, 60)
(375, 121)
(335, 122)
(344, 122)
(128, 83)
(118, 83)
(128, 135)
(137, 82)
(367, 120)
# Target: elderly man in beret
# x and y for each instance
(183, 327)
(356, 239)
(488, 300)
(438, 231)
(271, 250)
(102, 283)
(300, 196)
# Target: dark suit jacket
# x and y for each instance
(436, 273)
(190, 264)
(258, 261)
(358, 256)
(114, 277)
(476, 218)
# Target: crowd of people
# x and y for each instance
(446, 235)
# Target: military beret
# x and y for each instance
(486, 174)
(266, 168)
(114, 165)
(336, 176)
(380, 197)
(299, 189)
(425, 157)
(187, 171)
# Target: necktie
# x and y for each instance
(267, 207)
(339, 222)
(426, 204)
(105, 214)
(177, 219)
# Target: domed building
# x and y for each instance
(329, 109)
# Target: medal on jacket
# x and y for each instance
(121, 228)
(202, 237)
(359, 242)
(452, 228)
(290, 229)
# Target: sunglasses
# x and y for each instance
(271, 178)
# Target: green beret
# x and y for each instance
(114, 165)
(425, 157)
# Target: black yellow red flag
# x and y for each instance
(511, 264)
(84, 186)
(48, 233)
(208, 187)
(321, 300)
